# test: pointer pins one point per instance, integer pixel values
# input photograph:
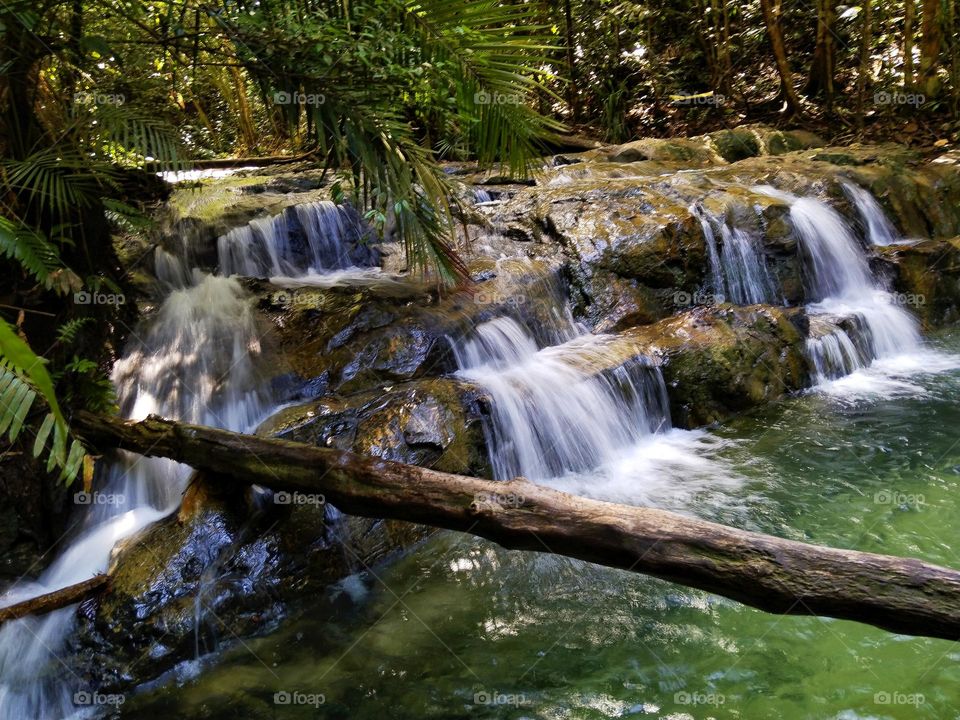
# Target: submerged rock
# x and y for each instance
(225, 568)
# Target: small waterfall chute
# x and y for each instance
(310, 238)
(738, 269)
(880, 339)
(587, 414)
(552, 413)
(879, 229)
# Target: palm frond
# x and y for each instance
(128, 136)
(53, 180)
(498, 66)
(125, 217)
(37, 255)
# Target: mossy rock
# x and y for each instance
(720, 361)
(927, 275)
(691, 152)
(737, 144)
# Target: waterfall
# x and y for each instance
(570, 410)
(481, 195)
(833, 351)
(862, 339)
(306, 239)
(842, 284)
(738, 270)
(196, 362)
(880, 230)
(553, 412)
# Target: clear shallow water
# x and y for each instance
(461, 628)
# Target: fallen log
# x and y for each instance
(48, 602)
(232, 163)
(776, 575)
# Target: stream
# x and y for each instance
(461, 628)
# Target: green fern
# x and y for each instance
(130, 137)
(36, 254)
(54, 180)
(67, 333)
(24, 377)
(125, 217)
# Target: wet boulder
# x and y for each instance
(719, 361)
(435, 422)
(926, 278)
(228, 566)
(233, 562)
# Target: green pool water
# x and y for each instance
(462, 629)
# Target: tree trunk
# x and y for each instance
(908, 22)
(954, 45)
(863, 74)
(771, 16)
(727, 66)
(822, 67)
(244, 117)
(930, 42)
(769, 573)
(572, 88)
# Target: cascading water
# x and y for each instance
(579, 416)
(551, 413)
(880, 231)
(738, 270)
(311, 238)
(197, 363)
(482, 195)
(856, 324)
(843, 286)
